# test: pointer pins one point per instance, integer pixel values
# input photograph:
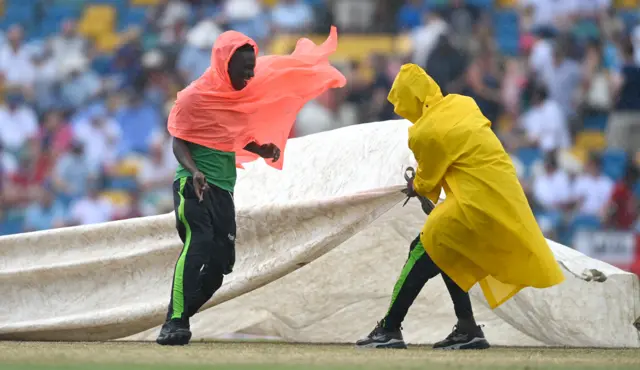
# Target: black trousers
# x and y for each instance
(418, 269)
(208, 231)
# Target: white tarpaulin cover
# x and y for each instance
(319, 247)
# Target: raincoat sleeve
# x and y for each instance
(433, 162)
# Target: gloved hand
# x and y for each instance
(409, 191)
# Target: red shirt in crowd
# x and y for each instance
(624, 202)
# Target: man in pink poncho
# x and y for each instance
(240, 109)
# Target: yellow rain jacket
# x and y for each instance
(484, 231)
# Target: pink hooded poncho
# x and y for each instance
(211, 113)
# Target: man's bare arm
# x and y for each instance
(183, 155)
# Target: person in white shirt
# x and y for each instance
(425, 37)
(90, 209)
(15, 60)
(545, 124)
(552, 188)
(68, 44)
(155, 177)
(100, 136)
(18, 122)
(592, 189)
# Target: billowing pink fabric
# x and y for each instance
(209, 112)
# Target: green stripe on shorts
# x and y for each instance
(178, 278)
(417, 252)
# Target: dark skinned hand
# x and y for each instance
(269, 151)
(200, 184)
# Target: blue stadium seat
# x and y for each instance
(614, 163)
(507, 31)
(580, 222)
(484, 4)
(134, 16)
(596, 122)
(636, 190)
(529, 156)
(101, 64)
(122, 183)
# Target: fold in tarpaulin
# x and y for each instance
(209, 112)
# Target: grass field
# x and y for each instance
(270, 356)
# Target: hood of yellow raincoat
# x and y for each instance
(413, 90)
(223, 49)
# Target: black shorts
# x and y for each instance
(207, 228)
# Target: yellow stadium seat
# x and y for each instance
(107, 42)
(591, 141)
(144, 2)
(127, 167)
(507, 3)
(96, 20)
(626, 4)
(117, 198)
(270, 3)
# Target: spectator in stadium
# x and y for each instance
(447, 64)
(592, 189)
(46, 77)
(18, 122)
(126, 69)
(596, 94)
(563, 79)
(45, 213)
(15, 61)
(292, 16)
(541, 52)
(551, 190)
(72, 174)
(139, 123)
(154, 179)
(623, 207)
(544, 123)
(484, 84)
(67, 44)
(55, 134)
(247, 17)
(90, 209)
(195, 57)
(425, 37)
(100, 135)
(623, 129)
(80, 85)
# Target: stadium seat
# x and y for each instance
(122, 183)
(529, 156)
(578, 223)
(614, 163)
(591, 141)
(134, 16)
(97, 20)
(107, 42)
(507, 31)
(596, 122)
(484, 4)
(144, 2)
(117, 198)
(626, 4)
(506, 4)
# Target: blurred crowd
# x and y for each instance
(82, 125)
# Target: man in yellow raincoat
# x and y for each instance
(483, 232)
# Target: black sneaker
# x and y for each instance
(459, 339)
(383, 338)
(174, 333)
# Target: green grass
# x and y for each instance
(271, 356)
